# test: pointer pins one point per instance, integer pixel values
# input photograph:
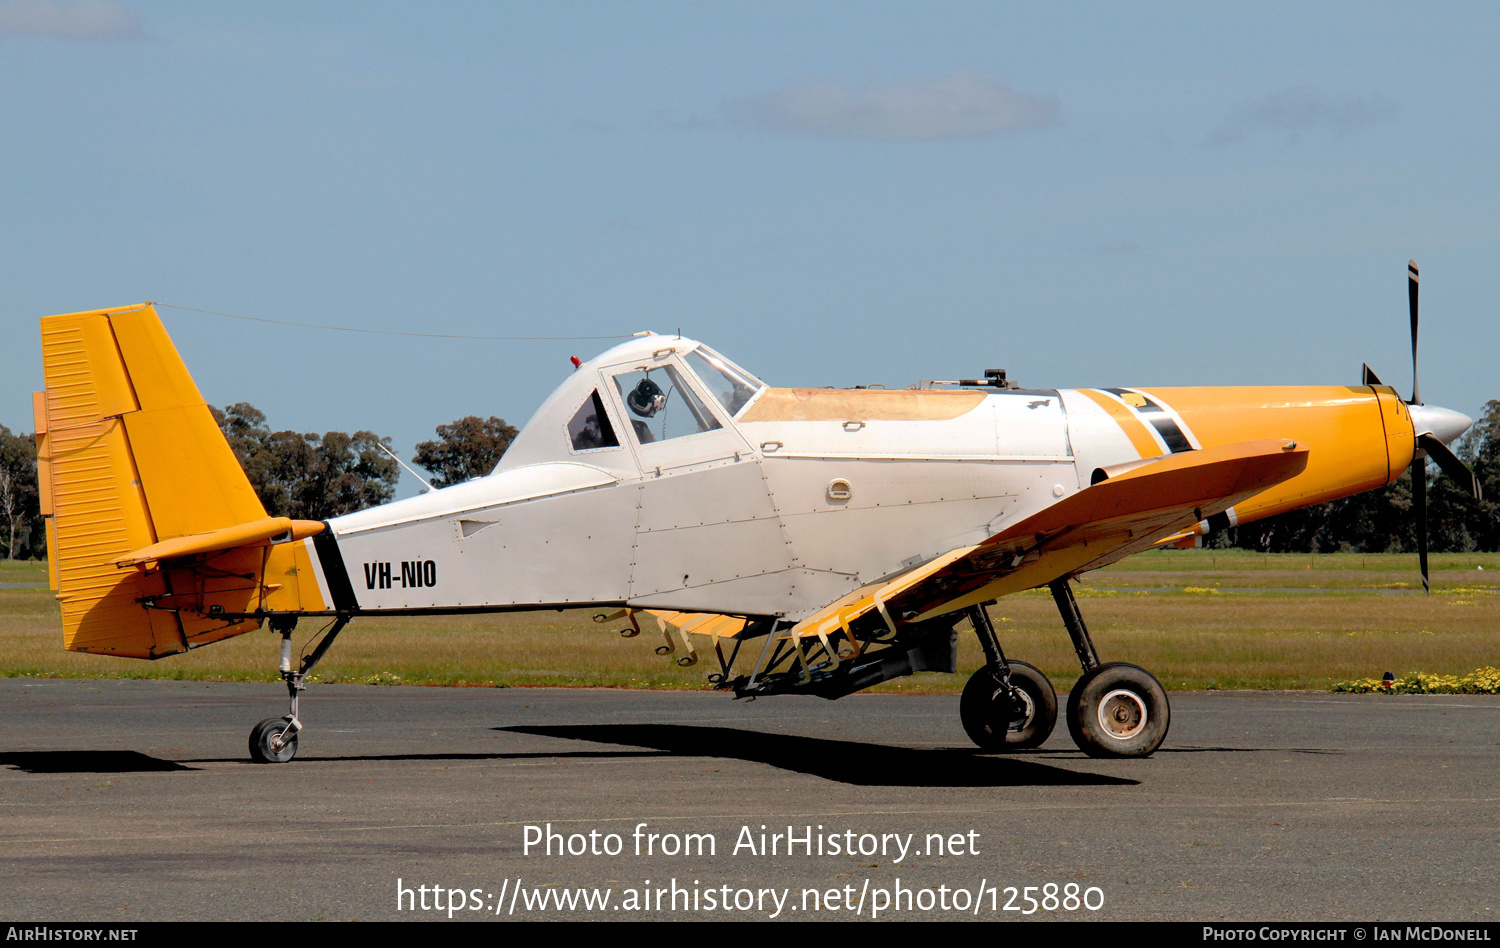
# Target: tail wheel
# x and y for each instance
(1118, 710)
(272, 741)
(996, 723)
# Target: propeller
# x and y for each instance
(1434, 427)
(1411, 297)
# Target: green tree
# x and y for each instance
(305, 476)
(20, 506)
(1456, 515)
(466, 449)
(348, 473)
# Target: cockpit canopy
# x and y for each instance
(661, 404)
(640, 393)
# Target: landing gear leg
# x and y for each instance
(1115, 709)
(1067, 607)
(274, 740)
(1006, 705)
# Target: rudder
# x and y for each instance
(130, 455)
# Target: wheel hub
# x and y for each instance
(1022, 710)
(1122, 714)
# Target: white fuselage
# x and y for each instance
(783, 505)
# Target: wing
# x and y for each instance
(1131, 511)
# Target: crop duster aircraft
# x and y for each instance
(808, 541)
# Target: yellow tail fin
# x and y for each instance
(130, 456)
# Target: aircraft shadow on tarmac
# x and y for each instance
(87, 762)
(844, 761)
(852, 762)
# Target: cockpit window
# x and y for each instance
(660, 407)
(730, 385)
(590, 428)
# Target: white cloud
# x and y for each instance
(1302, 109)
(962, 105)
(77, 20)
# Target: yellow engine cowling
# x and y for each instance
(1359, 437)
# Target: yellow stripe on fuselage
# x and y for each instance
(1359, 437)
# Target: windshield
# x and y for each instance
(730, 384)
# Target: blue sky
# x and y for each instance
(831, 194)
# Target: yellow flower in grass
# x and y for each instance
(1481, 681)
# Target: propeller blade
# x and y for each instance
(1411, 295)
(1451, 464)
(1419, 502)
(1369, 377)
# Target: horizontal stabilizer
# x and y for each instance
(255, 533)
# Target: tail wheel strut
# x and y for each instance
(274, 740)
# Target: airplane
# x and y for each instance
(812, 541)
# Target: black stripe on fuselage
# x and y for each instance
(334, 572)
(1164, 424)
(1177, 442)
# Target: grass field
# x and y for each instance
(1196, 618)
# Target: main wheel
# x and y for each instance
(266, 744)
(994, 723)
(1118, 710)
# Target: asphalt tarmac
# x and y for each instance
(130, 801)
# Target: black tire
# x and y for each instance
(1118, 710)
(993, 724)
(266, 746)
